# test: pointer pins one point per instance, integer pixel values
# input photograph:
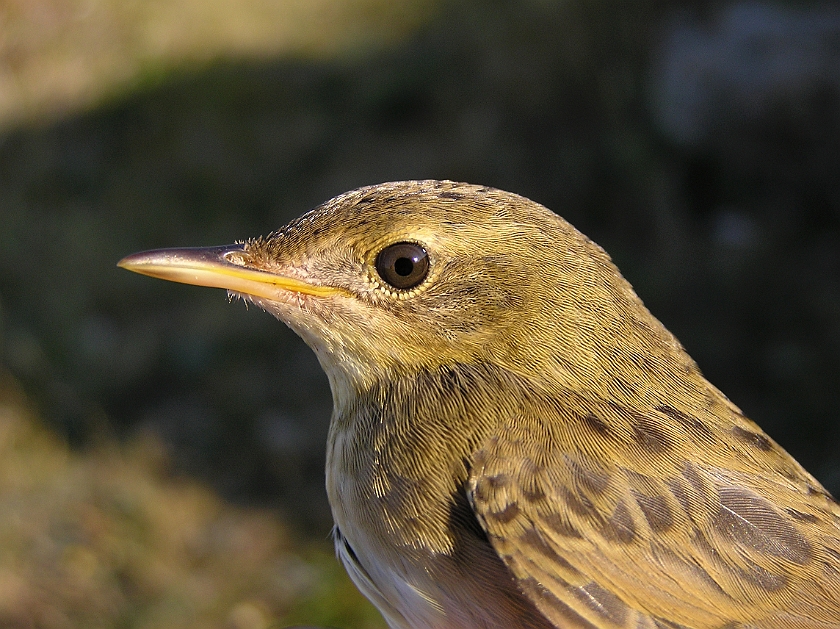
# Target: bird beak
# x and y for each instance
(217, 267)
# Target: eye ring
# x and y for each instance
(403, 265)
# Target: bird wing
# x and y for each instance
(607, 519)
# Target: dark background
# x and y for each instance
(699, 143)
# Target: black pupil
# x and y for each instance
(404, 266)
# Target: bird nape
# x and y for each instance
(516, 441)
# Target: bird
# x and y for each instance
(516, 441)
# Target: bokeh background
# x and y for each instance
(161, 450)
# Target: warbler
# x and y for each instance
(516, 441)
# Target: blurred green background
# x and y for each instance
(161, 450)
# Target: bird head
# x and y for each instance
(395, 278)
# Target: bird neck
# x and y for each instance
(404, 445)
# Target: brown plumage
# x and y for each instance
(516, 441)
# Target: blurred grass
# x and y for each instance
(110, 537)
(59, 56)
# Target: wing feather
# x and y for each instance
(606, 511)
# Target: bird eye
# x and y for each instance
(403, 264)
